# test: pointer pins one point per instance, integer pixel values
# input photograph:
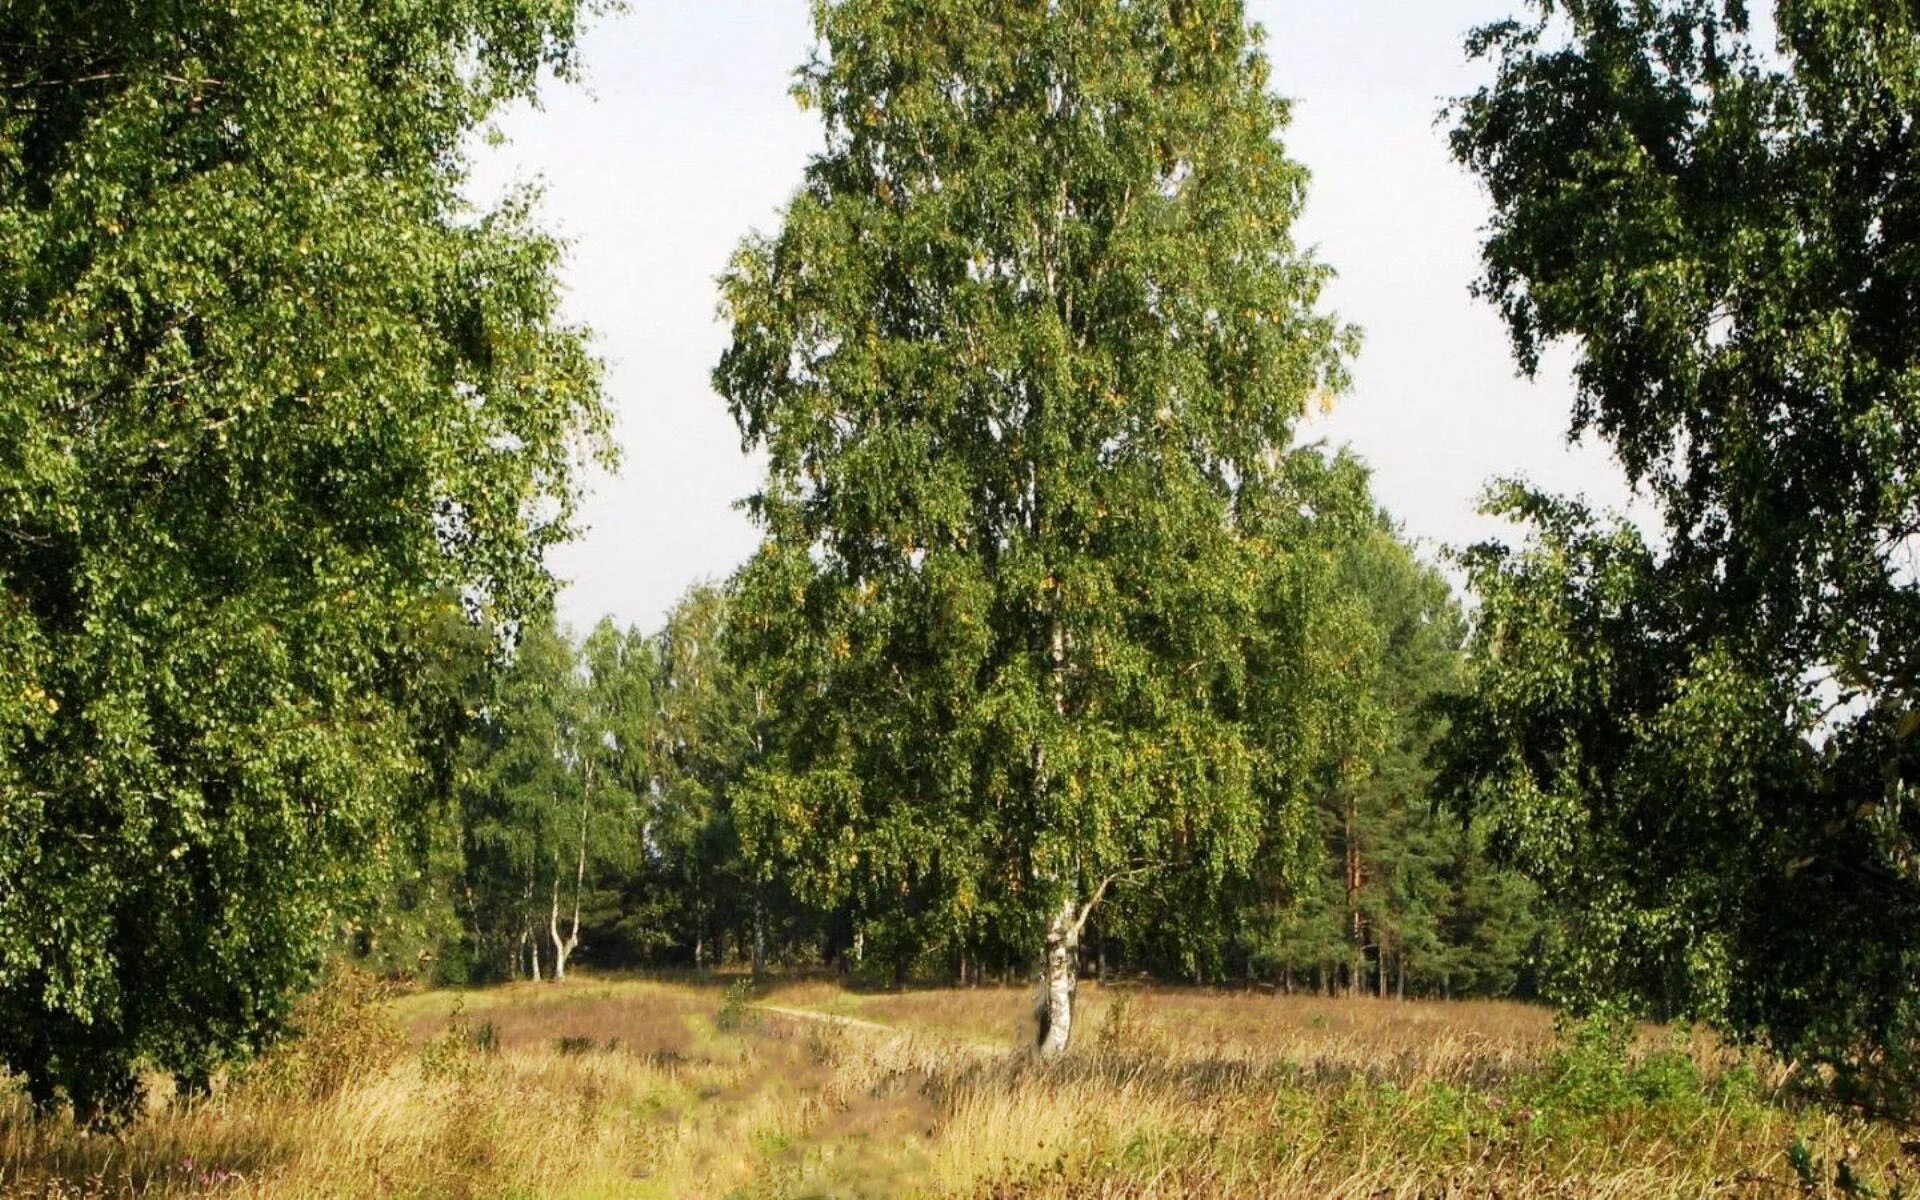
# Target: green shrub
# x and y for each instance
(1596, 1074)
(340, 1031)
(736, 1007)
(1668, 1078)
(458, 1051)
(1588, 1076)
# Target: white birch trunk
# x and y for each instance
(1059, 977)
(563, 948)
(1060, 961)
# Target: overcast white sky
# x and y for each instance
(685, 137)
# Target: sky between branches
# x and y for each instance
(685, 137)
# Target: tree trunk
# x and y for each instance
(1357, 968)
(563, 948)
(1059, 977)
(530, 921)
(759, 937)
(1059, 962)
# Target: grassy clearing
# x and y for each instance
(624, 1088)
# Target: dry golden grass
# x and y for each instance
(618, 1088)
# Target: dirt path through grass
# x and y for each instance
(845, 1022)
(967, 1046)
(962, 1045)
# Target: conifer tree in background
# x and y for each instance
(1025, 358)
(271, 400)
(1421, 903)
(1387, 894)
(1707, 744)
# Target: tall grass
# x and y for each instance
(626, 1088)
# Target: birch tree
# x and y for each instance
(551, 807)
(270, 395)
(1025, 357)
(517, 791)
(1707, 743)
(704, 735)
(610, 763)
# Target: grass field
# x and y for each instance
(632, 1088)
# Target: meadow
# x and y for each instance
(615, 1087)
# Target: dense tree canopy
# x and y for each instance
(704, 739)
(552, 799)
(1056, 632)
(271, 403)
(1386, 892)
(1708, 740)
(1025, 357)
(1358, 883)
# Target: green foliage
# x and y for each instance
(736, 1008)
(1592, 1074)
(1025, 357)
(1391, 886)
(551, 804)
(409, 927)
(341, 1031)
(512, 798)
(704, 739)
(273, 405)
(459, 1052)
(1704, 742)
(1598, 1077)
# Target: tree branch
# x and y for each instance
(1099, 893)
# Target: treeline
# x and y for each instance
(594, 819)
(1058, 652)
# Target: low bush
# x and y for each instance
(342, 1030)
(736, 1008)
